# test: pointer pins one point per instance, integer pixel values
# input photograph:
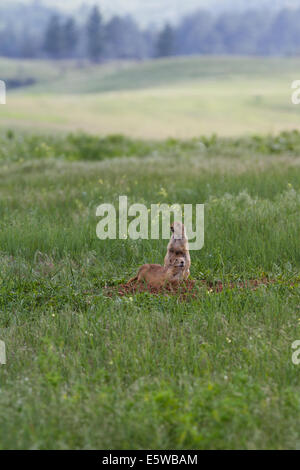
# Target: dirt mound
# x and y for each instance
(188, 288)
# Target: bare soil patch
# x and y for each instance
(188, 288)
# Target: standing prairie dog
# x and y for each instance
(178, 249)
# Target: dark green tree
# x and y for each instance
(124, 39)
(95, 37)
(53, 43)
(70, 37)
(28, 46)
(165, 45)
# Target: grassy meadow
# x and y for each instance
(180, 97)
(90, 371)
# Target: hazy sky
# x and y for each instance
(147, 11)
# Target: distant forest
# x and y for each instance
(46, 33)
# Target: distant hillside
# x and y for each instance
(72, 77)
(182, 97)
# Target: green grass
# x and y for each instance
(178, 97)
(87, 371)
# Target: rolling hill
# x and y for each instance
(174, 97)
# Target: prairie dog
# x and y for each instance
(178, 249)
(157, 276)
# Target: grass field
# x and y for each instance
(89, 371)
(180, 97)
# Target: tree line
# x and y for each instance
(254, 32)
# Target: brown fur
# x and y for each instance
(157, 276)
(176, 265)
(178, 250)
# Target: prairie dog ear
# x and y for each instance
(179, 230)
(172, 228)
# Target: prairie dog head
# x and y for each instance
(178, 231)
(176, 258)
